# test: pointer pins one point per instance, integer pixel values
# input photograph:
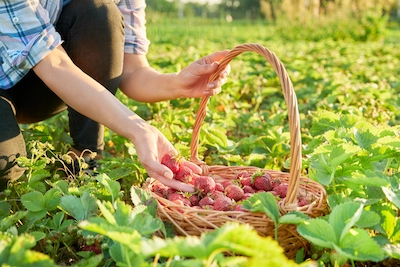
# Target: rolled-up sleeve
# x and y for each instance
(26, 37)
(136, 41)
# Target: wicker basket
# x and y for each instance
(192, 221)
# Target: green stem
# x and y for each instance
(212, 256)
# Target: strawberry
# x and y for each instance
(239, 207)
(248, 189)
(281, 190)
(242, 174)
(184, 174)
(172, 161)
(246, 181)
(216, 194)
(302, 202)
(169, 192)
(234, 192)
(226, 183)
(262, 181)
(223, 203)
(95, 248)
(276, 182)
(160, 189)
(204, 184)
(179, 199)
(247, 195)
(206, 201)
(194, 200)
(219, 187)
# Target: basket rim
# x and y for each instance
(293, 114)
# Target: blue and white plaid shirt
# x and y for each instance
(27, 33)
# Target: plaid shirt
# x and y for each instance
(27, 33)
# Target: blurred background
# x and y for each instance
(273, 10)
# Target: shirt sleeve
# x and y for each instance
(26, 37)
(136, 41)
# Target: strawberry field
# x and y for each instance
(347, 83)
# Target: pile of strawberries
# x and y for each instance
(225, 196)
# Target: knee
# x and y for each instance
(100, 12)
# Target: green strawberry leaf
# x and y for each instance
(38, 175)
(263, 202)
(365, 139)
(345, 216)
(394, 197)
(293, 218)
(358, 245)
(52, 199)
(140, 196)
(112, 186)
(319, 232)
(33, 201)
(80, 208)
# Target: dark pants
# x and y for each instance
(93, 36)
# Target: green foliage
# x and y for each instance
(345, 73)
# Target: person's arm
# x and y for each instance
(143, 83)
(88, 97)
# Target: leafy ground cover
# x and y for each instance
(347, 89)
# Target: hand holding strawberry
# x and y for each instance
(182, 170)
(151, 145)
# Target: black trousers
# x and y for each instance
(93, 36)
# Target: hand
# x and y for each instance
(194, 79)
(151, 145)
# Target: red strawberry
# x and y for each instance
(169, 192)
(184, 174)
(281, 190)
(95, 248)
(216, 194)
(248, 189)
(302, 202)
(204, 184)
(194, 200)
(179, 199)
(172, 161)
(275, 182)
(226, 183)
(234, 192)
(223, 203)
(206, 201)
(219, 187)
(242, 174)
(239, 207)
(247, 195)
(160, 189)
(262, 181)
(246, 181)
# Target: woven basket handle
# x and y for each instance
(293, 114)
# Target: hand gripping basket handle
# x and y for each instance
(293, 114)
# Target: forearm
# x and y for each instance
(148, 85)
(84, 94)
(143, 83)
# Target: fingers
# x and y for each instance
(175, 184)
(195, 168)
(214, 87)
